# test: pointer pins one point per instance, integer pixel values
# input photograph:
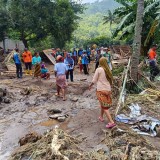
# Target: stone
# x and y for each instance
(55, 116)
(74, 99)
(54, 111)
(7, 100)
(61, 119)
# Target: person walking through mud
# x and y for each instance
(154, 70)
(60, 69)
(27, 59)
(70, 66)
(103, 77)
(17, 61)
(36, 62)
(85, 62)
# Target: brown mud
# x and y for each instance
(28, 113)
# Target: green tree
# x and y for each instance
(34, 20)
(4, 22)
(127, 15)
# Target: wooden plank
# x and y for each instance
(48, 53)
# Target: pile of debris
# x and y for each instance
(56, 144)
(126, 144)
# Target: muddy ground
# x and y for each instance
(28, 113)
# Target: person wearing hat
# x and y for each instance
(85, 62)
(70, 66)
(27, 59)
(154, 70)
(60, 70)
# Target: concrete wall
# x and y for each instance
(12, 44)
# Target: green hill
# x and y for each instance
(91, 24)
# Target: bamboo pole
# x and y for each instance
(122, 91)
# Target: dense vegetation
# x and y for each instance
(37, 21)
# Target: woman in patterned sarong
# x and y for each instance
(103, 77)
(36, 61)
(60, 73)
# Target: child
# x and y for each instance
(44, 72)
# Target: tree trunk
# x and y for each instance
(25, 42)
(4, 45)
(137, 41)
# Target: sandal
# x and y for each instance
(110, 125)
(101, 119)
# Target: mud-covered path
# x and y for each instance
(28, 113)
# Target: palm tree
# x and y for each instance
(137, 40)
(109, 18)
(127, 16)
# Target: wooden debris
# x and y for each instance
(48, 53)
(123, 88)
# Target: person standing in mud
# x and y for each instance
(103, 77)
(98, 56)
(27, 59)
(85, 62)
(70, 66)
(154, 70)
(17, 61)
(60, 69)
(74, 56)
(36, 62)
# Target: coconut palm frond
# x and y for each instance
(124, 22)
(151, 6)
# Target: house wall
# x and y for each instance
(12, 44)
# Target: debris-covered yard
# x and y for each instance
(35, 124)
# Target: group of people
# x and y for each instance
(31, 63)
(64, 67)
(102, 77)
(80, 57)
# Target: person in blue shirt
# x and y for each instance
(60, 70)
(80, 52)
(36, 61)
(85, 62)
(75, 56)
(17, 61)
(70, 66)
(44, 72)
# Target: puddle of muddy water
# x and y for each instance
(48, 123)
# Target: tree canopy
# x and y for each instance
(34, 20)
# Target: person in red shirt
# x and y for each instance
(154, 70)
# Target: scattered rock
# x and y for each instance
(55, 116)
(61, 119)
(7, 100)
(54, 111)
(29, 138)
(27, 91)
(74, 99)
